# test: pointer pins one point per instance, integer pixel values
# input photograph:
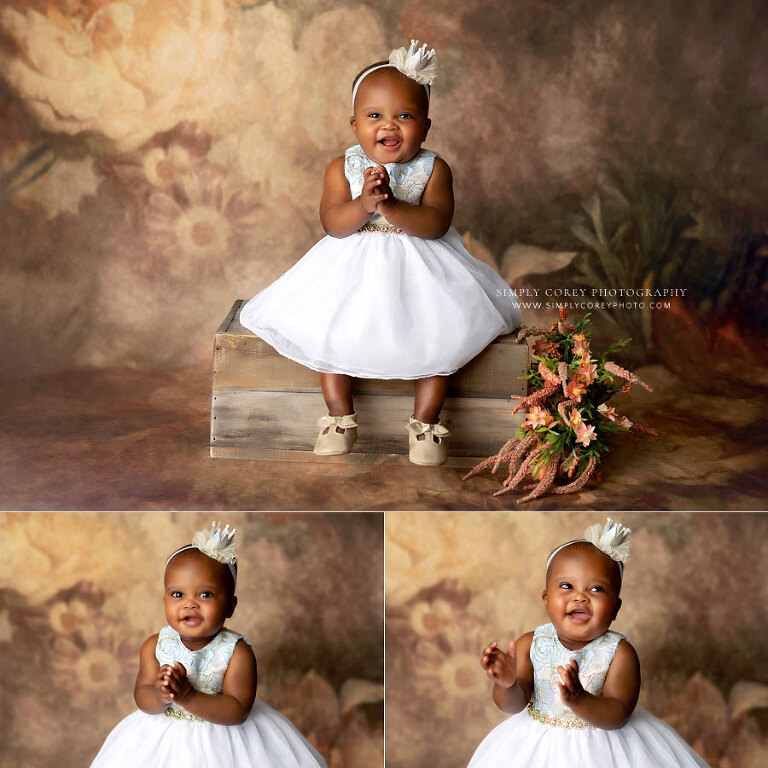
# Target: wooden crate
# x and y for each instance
(265, 406)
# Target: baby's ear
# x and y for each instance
(426, 130)
(618, 605)
(544, 596)
(232, 606)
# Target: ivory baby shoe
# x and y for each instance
(330, 442)
(431, 450)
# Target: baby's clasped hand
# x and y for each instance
(376, 188)
(176, 686)
(162, 684)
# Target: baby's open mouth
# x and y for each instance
(578, 616)
(191, 620)
(390, 141)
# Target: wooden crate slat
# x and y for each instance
(233, 316)
(251, 424)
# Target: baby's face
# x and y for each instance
(582, 594)
(198, 597)
(390, 120)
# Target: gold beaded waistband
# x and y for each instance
(557, 722)
(181, 714)
(390, 229)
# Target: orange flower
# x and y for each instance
(581, 345)
(575, 420)
(575, 389)
(587, 371)
(586, 434)
(545, 347)
(537, 417)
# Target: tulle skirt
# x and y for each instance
(385, 306)
(644, 742)
(266, 739)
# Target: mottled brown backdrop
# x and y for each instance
(79, 593)
(694, 599)
(159, 159)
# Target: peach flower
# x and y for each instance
(537, 417)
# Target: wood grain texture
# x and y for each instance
(249, 424)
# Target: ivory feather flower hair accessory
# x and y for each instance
(416, 62)
(611, 538)
(217, 543)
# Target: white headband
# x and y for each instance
(416, 63)
(216, 543)
(612, 538)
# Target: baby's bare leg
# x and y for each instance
(337, 392)
(428, 402)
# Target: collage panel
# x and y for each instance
(80, 594)
(692, 606)
(206, 216)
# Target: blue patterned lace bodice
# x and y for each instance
(547, 652)
(407, 180)
(206, 667)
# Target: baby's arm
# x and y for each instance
(238, 691)
(150, 693)
(618, 699)
(432, 217)
(511, 672)
(340, 215)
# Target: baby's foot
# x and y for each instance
(425, 443)
(339, 440)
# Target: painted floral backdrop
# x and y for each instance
(79, 593)
(159, 159)
(693, 599)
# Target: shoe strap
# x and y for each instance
(345, 422)
(420, 428)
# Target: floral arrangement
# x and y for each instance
(568, 419)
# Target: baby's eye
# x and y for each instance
(596, 589)
(176, 593)
(374, 115)
(206, 593)
(565, 585)
(405, 116)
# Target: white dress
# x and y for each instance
(382, 304)
(548, 735)
(177, 739)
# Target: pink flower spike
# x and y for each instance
(549, 376)
(628, 376)
(626, 423)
